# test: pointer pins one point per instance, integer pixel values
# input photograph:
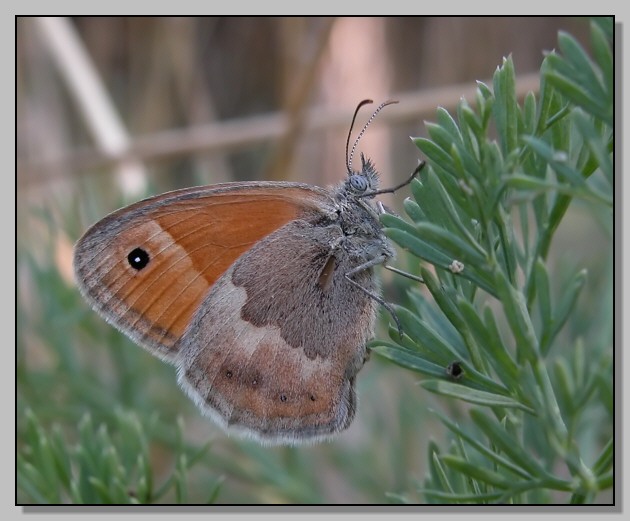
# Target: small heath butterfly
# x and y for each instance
(262, 294)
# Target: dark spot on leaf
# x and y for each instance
(455, 370)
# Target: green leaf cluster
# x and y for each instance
(101, 467)
(535, 368)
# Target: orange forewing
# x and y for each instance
(191, 236)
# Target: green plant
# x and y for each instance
(101, 467)
(532, 351)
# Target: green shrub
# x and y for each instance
(532, 352)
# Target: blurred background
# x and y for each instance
(110, 110)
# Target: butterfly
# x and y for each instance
(262, 294)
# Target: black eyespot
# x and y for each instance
(283, 397)
(455, 370)
(254, 382)
(358, 183)
(312, 398)
(138, 258)
(228, 373)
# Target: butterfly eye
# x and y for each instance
(358, 183)
(138, 258)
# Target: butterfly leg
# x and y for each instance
(397, 187)
(381, 259)
(404, 273)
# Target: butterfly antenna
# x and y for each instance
(356, 142)
(356, 111)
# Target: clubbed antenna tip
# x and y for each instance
(356, 142)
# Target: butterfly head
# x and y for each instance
(363, 182)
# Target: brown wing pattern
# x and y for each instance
(180, 242)
(273, 354)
